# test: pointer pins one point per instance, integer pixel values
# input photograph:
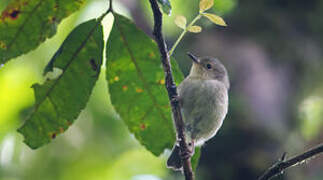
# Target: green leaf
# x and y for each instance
(166, 7)
(194, 29)
(196, 157)
(137, 86)
(24, 24)
(180, 21)
(205, 5)
(215, 19)
(59, 101)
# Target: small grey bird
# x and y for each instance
(203, 96)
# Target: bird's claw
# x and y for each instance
(187, 154)
(175, 99)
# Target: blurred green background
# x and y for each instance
(273, 52)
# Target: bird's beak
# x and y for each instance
(194, 58)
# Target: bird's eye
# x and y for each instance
(208, 66)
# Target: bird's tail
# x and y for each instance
(174, 161)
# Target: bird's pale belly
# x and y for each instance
(204, 107)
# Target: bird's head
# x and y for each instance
(209, 68)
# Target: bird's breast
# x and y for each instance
(204, 106)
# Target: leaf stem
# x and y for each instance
(110, 6)
(183, 33)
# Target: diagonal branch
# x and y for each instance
(171, 89)
(280, 166)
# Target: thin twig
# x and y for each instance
(171, 89)
(281, 165)
(183, 33)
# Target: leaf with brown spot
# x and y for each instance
(143, 100)
(93, 65)
(24, 25)
(59, 101)
(142, 126)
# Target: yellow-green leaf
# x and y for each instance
(25, 24)
(215, 19)
(180, 21)
(137, 85)
(58, 102)
(205, 5)
(195, 29)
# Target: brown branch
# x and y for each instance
(283, 164)
(171, 89)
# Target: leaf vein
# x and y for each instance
(67, 65)
(138, 70)
(24, 23)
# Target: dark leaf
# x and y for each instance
(166, 7)
(24, 24)
(137, 86)
(60, 101)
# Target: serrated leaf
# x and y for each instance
(194, 29)
(215, 19)
(58, 102)
(205, 5)
(180, 21)
(137, 85)
(24, 24)
(166, 6)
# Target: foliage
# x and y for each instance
(26, 24)
(98, 144)
(166, 7)
(181, 21)
(136, 85)
(59, 101)
(134, 74)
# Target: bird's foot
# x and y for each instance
(188, 152)
(176, 100)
